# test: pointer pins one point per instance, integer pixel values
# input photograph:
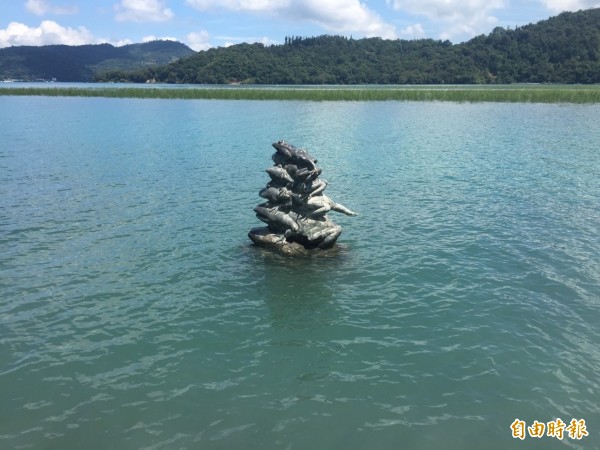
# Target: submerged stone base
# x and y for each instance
(264, 237)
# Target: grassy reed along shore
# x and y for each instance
(479, 93)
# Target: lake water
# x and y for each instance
(134, 313)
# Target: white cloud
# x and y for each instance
(49, 32)
(265, 41)
(337, 16)
(118, 43)
(143, 11)
(415, 31)
(199, 41)
(43, 7)
(233, 40)
(460, 18)
(446, 9)
(570, 5)
(154, 38)
(239, 5)
(342, 16)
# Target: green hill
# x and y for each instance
(562, 49)
(84, 62)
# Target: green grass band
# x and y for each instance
(507, 93)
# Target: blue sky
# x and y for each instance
(203, 24)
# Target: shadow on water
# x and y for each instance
(297, 291)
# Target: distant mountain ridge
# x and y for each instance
(85, 62)
(562, 49)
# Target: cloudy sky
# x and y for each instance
(203, 24)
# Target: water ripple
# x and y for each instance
(135, 314)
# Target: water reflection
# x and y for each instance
(297, 291)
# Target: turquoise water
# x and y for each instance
(134, 313)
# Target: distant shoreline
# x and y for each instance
(454, 93)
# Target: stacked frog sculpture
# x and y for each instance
(296, 209)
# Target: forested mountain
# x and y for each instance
(562, 49)
(84, 62)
